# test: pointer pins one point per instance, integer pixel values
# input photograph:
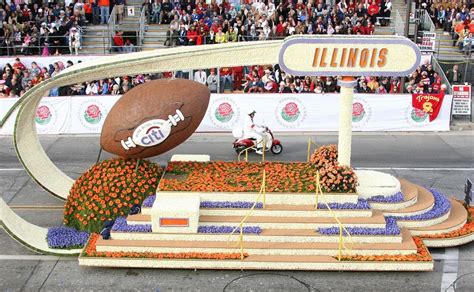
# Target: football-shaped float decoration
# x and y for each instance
(154, 117)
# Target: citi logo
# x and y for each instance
(152, 132)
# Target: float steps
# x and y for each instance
(407, 246)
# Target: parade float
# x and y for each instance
(196, 213)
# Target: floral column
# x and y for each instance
(345, 120)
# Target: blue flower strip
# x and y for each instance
(442, 205)
(396, 198)
(148, 202)
(122, 226)
(230, 205)
(391, 228)
(362, 204)
(66, 237)
(228, 229)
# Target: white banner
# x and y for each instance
(88, 113)
(53, 115)
(280, 112)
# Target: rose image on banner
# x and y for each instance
(429, 103)
(224, 112)
(290, 112)
(358, 112)
(43, 115)
(92, 114)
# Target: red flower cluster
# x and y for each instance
(466, 229)
(108, 190)
(91, 251)
(221, 176)
(324, 156)
(422, 255)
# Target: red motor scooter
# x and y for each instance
(240, 143)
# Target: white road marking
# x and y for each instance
(417, 168)
(450, 269)
(361, 168)
(5, 257)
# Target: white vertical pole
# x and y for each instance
(345, 120)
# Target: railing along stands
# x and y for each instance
(141, 29)
(111, 28)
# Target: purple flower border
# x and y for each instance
(148, 202)
(396, 198)
(122, 226)
(391, 228)
(228, 229)
(66, 237)
(361, 204)
(442, 205)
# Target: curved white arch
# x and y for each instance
(27, 145)
(29, 235)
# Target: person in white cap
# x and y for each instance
(74, 41)
(251, 130)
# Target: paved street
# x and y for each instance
(440, 160)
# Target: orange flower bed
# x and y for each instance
(220, 176)
(108, 190)
(91, 251)
(422, 255)
(466, 229)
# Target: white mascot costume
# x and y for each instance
(259, 133)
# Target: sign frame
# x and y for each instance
(349, 40)
(457, 99)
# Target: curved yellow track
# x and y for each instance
(28, 147)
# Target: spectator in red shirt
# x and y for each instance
(118, 42)
(373, 11)
(192, 36)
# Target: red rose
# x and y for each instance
(357, 109)
(419, 113)
(43, 112)
(93, 111)
(291, 109)
(224, 109)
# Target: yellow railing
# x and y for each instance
(240, 242)
(310, 141)
(246, 150)
(342, 229)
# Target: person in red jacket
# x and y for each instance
(192, 36)
(373, 11)
(118, 42)
(238, 76)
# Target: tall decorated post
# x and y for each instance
(348, 57)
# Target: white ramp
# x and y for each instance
(29, 235)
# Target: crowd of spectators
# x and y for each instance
(197, 23)
(455, 17)
(41, 27)
(18, 78)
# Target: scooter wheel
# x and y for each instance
(239, 149)
(276, 149)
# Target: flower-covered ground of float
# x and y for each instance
(90, 250)
(422, 255)
(466, 230)
(290, 177)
